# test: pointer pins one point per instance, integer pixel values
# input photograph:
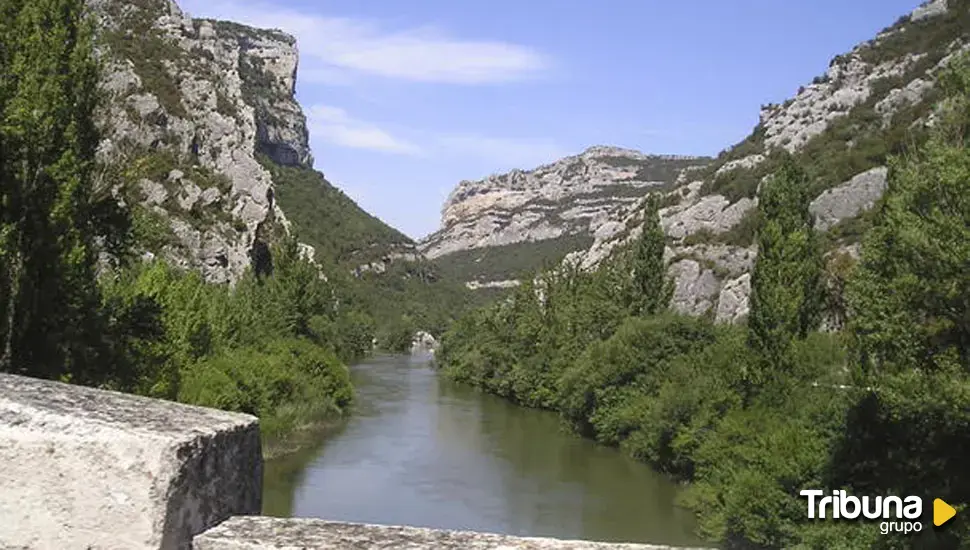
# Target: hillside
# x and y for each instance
(206, 144)
(505, 226)
(842, 126)
(202, 123)
(831, 244)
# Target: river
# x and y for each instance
(420, 450)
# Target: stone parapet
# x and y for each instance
(93, 469)
(263, 533)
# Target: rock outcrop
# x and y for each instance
(423, 342)
(552, 204)
(865, 94)
(849, 199)
(87, 468)
(191, 104)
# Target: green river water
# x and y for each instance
(420, 450)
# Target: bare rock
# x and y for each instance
(189, 196)
(153, 192)
(712, 213)
(849, 199)
(87, 468)
(209, 197)
(575, 195)
(933, 8)
(729, 260)
(733, 303)
(423, 342)
(218, 94)
(748, 162)
(477, 285)
(695, 287)
(901, 97)
(262, 533)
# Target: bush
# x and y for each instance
(286, 383)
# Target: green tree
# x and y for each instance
(910, 321)
(50, 217)
(911, 297)
(786, 282)
(651, 289)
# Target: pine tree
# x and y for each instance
(786, 279)
(651, 289)
(49, 219)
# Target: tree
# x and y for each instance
(651, 289)
(910, 300)
(50, 322)
(909, 304)
(786, 282)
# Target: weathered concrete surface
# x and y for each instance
(86, 468)
(261, 533)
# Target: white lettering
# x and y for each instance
(872, 513)
(821, 506)
(811, 494)
(851, 507)
(887, 506)
(914, 508)
(844, 505)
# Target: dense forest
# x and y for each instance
(750, 415)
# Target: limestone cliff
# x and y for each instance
(843, 126)
(523, 218)
(189, 107)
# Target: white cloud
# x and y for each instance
(505, 153)
(330, 47)
(334, 125)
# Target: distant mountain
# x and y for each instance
(507, 225)
(842, 126)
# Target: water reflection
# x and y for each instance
(422, 451)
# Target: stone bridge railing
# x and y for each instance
(97, 470)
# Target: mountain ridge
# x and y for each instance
(844, 125)
(547, 210)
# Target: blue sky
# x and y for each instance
(407, 97)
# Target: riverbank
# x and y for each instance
(299, 438)
(421, 450)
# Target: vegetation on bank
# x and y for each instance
(78, 304)
(750, 415)
(408, 296)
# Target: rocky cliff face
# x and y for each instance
(191, 105)
(550, 210)
(842, 126)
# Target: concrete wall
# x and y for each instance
(97, 470)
